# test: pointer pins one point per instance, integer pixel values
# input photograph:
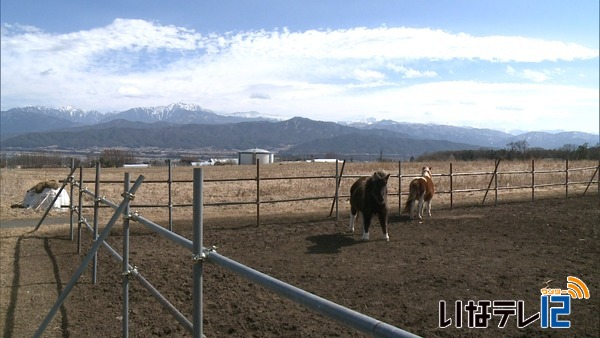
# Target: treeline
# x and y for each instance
(517, 151)
(108, 158)
(34, 161)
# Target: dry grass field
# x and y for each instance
(467, 252)
(274, 185)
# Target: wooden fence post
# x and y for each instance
(496, 185)
(399, 187)
(451, 193)
(170, 187)
(532, 180)
(336, 199)
(567, 178)
(592, 180)
(257, 192)
(494, 175)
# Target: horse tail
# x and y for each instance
(412, 196)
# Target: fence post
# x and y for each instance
(198, 254)
(336, 199)
(79, 210)
(95, 233)
(257, 192)
(399, 187)
(170, 184)
(451, 189)
(72, 188)
(567, 178)
(592, 180)
(532, 180)
(496, 184)
(497, 163)
(125, 278)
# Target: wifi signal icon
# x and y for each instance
(577, 288)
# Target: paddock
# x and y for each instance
(493, 252)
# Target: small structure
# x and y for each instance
(136, 165)
(42, 195)
(250, 156)
(203, 163)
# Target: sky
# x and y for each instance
(505, 65)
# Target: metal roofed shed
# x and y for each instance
(250, 156)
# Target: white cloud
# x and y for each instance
(385, 71)
(365, 75)
(410, 73)
(535, 75)
(129, 91)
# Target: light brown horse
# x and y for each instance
(421, 190)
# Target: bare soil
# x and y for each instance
(504, 252)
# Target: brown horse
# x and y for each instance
(368, 195)
(421, 190)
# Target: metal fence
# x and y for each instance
(200, 255)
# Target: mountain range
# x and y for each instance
(191, 127)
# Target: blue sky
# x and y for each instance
(529, 65)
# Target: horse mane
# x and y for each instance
(380, 175)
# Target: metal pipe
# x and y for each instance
(95, 235)
(126, 270)
(132, 271)
(197, 253)
(79, 208)
(346, 316)
(88, 257)
(72, 186)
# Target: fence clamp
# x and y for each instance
(130, 272)
(204, 254)
(128, 195)
(199, 258)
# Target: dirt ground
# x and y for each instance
(504, 252)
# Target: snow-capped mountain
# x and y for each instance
(66, 113)
(181, 113)
(38, 119)
(256, 115)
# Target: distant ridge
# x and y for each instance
(189, 126)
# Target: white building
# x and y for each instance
(250, 156)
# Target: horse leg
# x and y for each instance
(429, 208)
(421, 200)
(366, 225)
(383, 223)
(413, 206)
(353, 216)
